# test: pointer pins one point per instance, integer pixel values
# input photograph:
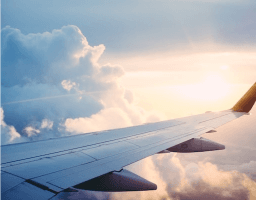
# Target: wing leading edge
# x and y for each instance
(95, 161)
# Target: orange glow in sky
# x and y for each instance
(179, 85)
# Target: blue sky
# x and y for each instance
(69, 67)
(124, 26)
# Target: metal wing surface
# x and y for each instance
(94, 161)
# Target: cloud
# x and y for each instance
(208, 182)
(9, 133)
(248, 168)
(47, 124)
(30, 131)
(194, 180)
(53, 85)
(204, 180)
(104, 120)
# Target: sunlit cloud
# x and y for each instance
(194, 180)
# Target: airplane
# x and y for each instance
(94, 161)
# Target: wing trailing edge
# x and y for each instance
(246, 103)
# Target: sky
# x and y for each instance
(70, 67)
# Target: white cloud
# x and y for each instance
(106, 119)
(54, 85)
(47, 124)
(68, 85)
(9, 133)
(31, 131)
(194, 180)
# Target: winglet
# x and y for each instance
(246, 103)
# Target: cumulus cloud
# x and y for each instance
(195, 180)
(208, 182)
(30, 131)
(53, 85)
(248, 168)
(9, 133)
(68, 85)
(47, 124)
(106, 119)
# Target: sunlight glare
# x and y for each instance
(224, 67)
(214, 87)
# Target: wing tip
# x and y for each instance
(246, 103)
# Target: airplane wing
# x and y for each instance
(95, 161)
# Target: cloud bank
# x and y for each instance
(194, 180)
(53, 85)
